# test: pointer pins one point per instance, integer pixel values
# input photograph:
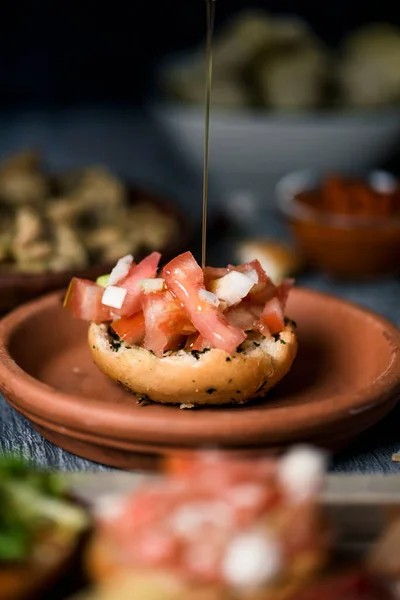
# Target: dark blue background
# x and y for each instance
(67, 52)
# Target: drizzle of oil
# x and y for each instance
(210, 4)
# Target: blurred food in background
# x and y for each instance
(368, 72)
(347, 226)
(211, 526)
(220, 526)
(40, 528)
(72, 220)
(279, 63)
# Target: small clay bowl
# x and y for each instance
(344, 246)
(345, 378)
(39, 579)
(17, 287)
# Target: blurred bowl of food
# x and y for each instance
(282, 99)
(53, 227)
(345, 225)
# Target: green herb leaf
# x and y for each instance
(103, 280)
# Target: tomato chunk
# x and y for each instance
(253, 265)
(272, 318)
(83, 300)
(241, 316)
(185, 278)
(146, 269)
(160, 309)
(130, 329)
(175, 342)
(200, 344)
(283, 290)
(176, 320)
(264, 290)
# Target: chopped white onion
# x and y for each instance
(209, 297)
(121, 269)
(233, 287)
(152, 285)
(114, 296)
(252, 560)
(301, 472)
(253, 275)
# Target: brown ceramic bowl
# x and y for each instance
(343, 246)
(16, 288)
(39, 579)
(345, 378)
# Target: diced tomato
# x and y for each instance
(196, 342)
(130, 329)
(200, 344)
(176, 320)
(83, 300)
(175, 342)
(180, 465)
(211, 273)
(241, 316)
(283, 290)
(155, 547)
(146, 269)
(165, 322)
(249, 499)
(190, 340)
(139, 511)
(253, 265)
(154, 309)
(272, 318)
(264, 290)
(185, 278)
(202, 559)
(255, 309)
(219, 468)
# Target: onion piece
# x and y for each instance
(253, 275)
(209, 297)
(252, 560)
(113, 296)
(120, 270)
(233, 287)
(152, 285)
(301, 472)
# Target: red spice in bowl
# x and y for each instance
(348, 227)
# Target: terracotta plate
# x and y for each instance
(20, 287)
(345, 378)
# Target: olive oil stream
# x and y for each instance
(210, 4)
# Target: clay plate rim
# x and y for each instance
(227, 425)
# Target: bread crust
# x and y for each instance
(211, 377)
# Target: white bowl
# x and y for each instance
(253, 150)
